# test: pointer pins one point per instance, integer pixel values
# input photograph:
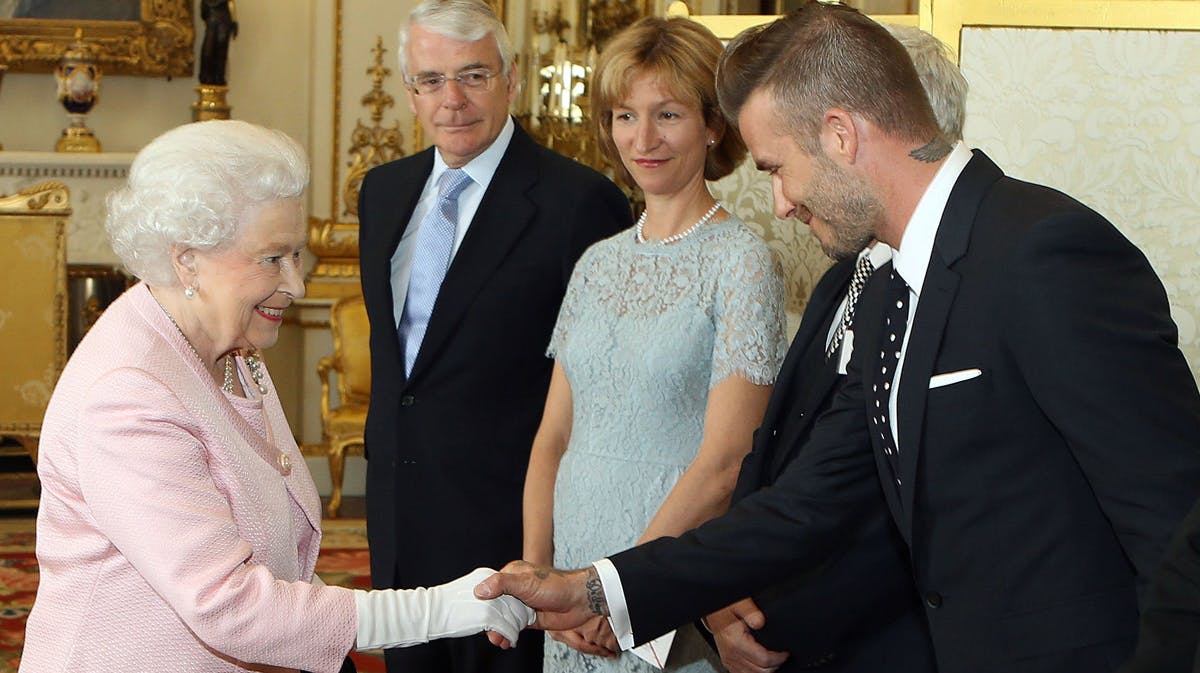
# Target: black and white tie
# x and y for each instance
(895, 321)
(862, 272)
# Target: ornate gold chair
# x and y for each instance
(342, 427)
(33, 306)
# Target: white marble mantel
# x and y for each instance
(90, 177)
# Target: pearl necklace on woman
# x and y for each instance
(253, 363)
(253, 359)
(641, 238)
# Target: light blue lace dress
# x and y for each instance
(644, 332)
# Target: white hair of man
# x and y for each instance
(944, 84)
(462, 20)
(193, 186)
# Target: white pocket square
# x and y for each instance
(953, 377)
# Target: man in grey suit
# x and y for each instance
(466, 249)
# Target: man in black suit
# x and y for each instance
(1169, 635)
(832, 620)
(466, 250)
(1016, 388)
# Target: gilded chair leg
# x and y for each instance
(337, 465)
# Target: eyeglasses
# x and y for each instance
(469, 79)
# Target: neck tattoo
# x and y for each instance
(641, 223)
(933, 150)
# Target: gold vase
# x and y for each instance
(211, 103)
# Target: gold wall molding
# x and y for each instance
(159, 45)
(334, 173)
(371, 145)
(727, 26)
(335, 244)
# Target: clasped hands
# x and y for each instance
(569, 604)
(572, 603)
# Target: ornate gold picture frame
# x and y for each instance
(158, 45)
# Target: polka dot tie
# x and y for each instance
(430, 261)
(895, 321)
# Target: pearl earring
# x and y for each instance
(189, 292)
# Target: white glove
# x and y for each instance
(403, 617)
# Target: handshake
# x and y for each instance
(500, 603)
(556, 600)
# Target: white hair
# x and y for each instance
(193, 185)
(944, 84)
(462, 20)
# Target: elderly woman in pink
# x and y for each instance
(179, 527)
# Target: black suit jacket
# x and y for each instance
(1036, 498)
(1169, 637)
(833, 615)
(447, 448)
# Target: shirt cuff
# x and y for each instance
(618, 610)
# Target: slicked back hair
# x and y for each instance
(824, 56)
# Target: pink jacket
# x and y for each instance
(170, 537)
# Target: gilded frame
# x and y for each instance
(947, 18)
(727, 26)
(159, 45)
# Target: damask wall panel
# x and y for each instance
(1111, 117)
(747, 193)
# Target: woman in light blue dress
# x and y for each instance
(667, 343)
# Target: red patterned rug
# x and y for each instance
(343, 562)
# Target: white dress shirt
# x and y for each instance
(911, 261)
(481, 169)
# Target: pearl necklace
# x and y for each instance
(641, 223)
(254, 364)
(253, 359)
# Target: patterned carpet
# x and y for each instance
(343, 562)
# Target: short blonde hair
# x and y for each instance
(683, 55)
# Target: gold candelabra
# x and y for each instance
(554, 105)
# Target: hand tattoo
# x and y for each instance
(595, 593)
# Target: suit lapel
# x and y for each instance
(806, 377)
(503, 214)
(407, 191)
(933, 310)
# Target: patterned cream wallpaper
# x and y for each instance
(747, 193)
(1111, 117)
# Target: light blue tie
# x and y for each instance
(430, 260)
